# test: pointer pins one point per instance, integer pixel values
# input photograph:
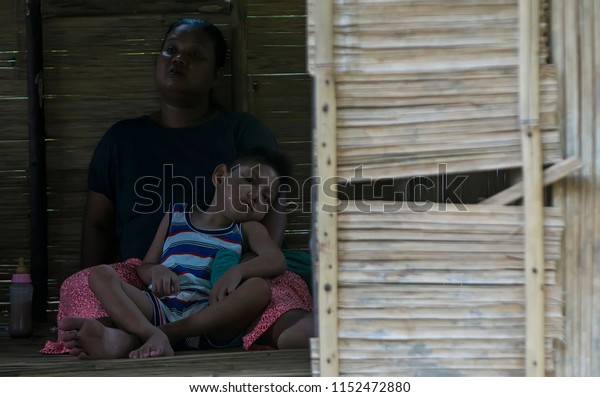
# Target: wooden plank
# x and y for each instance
(595, 370)
(276, 7)
(552, 175)
(587, 259)
(22, 358)
(76, 8)
(573, 211)
(559, 198)
(529, 18)
(326, 159)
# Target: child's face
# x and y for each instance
(250, 189)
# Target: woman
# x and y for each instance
(142, 166)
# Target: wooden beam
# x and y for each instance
(551, 175)
(326, 170)
(37, 160)
(529, 37)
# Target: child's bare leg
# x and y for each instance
(292, 330)
(130, 309)
(298, 334)
(226, 319)
(89, 338)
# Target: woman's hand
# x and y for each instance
(225, 285)
(164, 281)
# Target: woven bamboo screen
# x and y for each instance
(426, 289)
(14, 197)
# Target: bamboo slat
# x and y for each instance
(276, 8)
(589, 187)
(574, 211)
(596, 133)
(69, 8)
(551, 175)
(529, 109)
(556, 36)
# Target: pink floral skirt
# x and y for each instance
(288, 292)
(78, 300)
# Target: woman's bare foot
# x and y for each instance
(297, 336)
(156, 346)
(89, 338)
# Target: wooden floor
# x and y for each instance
(21, 357)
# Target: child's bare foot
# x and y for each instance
(297, 336)
(89, 338)
(156, 346)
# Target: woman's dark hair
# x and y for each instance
(210, 29)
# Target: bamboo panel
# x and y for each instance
(412, 131)
(404, 327)
(275, 8)
(587, 269)
(13, 110)
(13, 52)
(411, 74)
(290, 120)
(576, 53)
(276, 37)
(14, 214)
(62, 8)
(78, 47)
(439, 290)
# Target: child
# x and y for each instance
(180, 302)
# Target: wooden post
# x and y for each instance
(529, 25)
(326, 148)
(37, 160)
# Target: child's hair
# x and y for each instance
(261, 155)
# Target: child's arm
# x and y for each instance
(269, 262)
(163, 280)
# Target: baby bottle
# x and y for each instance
(21, 295)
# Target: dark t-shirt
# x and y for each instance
(143, 168)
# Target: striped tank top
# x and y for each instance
(189, 252)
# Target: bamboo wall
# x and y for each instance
(576, 53)
(14, 187)
(430, 290)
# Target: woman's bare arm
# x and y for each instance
(98, 239)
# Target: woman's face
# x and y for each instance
(185, 68)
